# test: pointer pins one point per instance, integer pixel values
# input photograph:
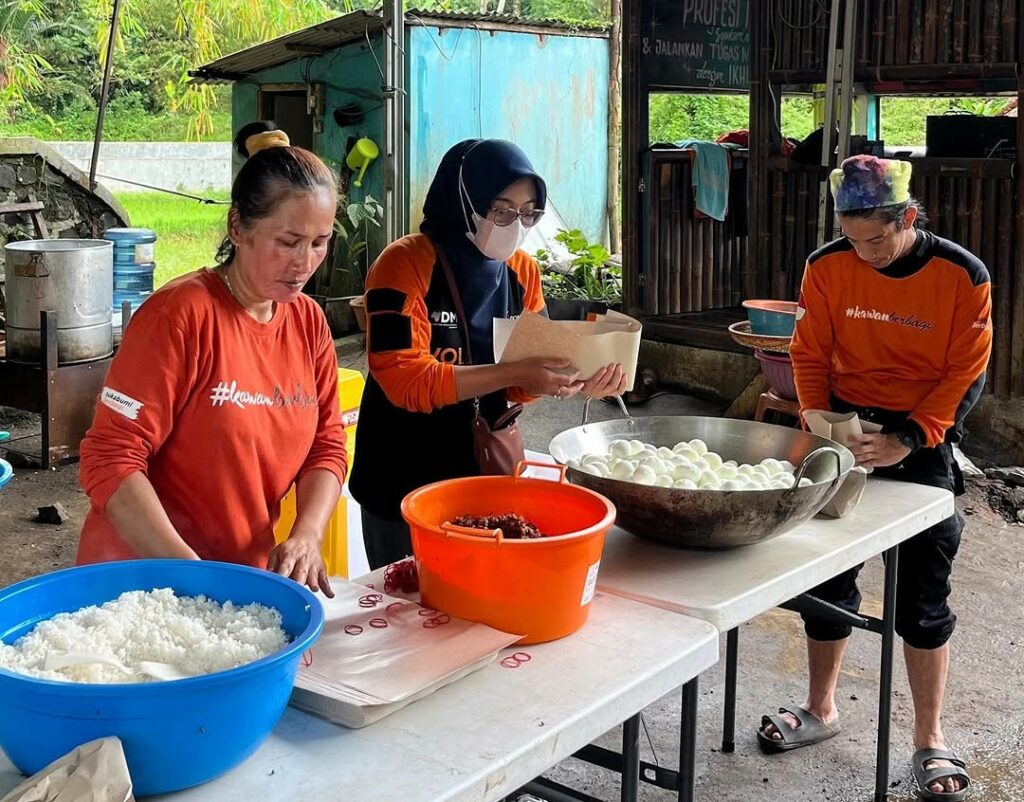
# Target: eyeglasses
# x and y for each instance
(505, 217)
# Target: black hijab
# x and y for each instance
(488, 167)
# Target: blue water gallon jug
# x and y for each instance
(134, 266)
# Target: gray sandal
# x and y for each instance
(812, 730)
(926, 777)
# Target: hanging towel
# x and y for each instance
(710, 176)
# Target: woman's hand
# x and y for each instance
(608, 381)
(299, 558)
(878, 450)
(545, 377)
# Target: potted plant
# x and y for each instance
(587, 282)
(338, 283)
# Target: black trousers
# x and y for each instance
(923, 617)
(386, 541)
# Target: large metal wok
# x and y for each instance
(711, 519)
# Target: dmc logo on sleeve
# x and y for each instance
(121, 403)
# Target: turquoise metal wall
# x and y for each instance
(548, 94)
(349, 75)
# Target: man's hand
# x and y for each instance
(878, 450)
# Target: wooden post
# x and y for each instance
(634, 142)
(614, 125)
(1009, 21)
(1004, 287)
(108, 67)
(916, 31)
(1017, 332)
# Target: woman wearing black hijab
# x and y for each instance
(417, 410)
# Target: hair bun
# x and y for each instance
(268, 139)
(259, 135)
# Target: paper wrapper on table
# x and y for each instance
(840, 427)
(589, 345)
(374, 660)
(94, 772)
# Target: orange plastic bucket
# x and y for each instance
(540, 588)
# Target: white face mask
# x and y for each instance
(493, 241)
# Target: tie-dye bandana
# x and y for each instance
(867, 182)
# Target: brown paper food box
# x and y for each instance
(840, 428)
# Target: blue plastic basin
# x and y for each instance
(773, 318)
(176, 734)
(6, 472)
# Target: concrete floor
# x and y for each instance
(985, 703)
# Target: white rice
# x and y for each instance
(195, 634)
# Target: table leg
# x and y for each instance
(732, 642)
(885, 678)
(688, 743)
(630, 788)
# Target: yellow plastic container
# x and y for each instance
(335, 546)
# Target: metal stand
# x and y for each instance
(63, 395)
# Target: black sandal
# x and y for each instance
(926, 777)
(812, 730)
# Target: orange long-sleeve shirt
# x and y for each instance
(914, 337)
(414, 341)
(221, 413)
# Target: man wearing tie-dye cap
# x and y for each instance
(893, 324)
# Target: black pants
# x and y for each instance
(386, 541)
(923, 617)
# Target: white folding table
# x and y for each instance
(728, 588)
(490, 733)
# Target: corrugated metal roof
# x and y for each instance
(326, 36)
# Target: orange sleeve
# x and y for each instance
(530, 279)
(328, 449)
(811, 348)
(398, 331)
(966, 360)
(139, 403)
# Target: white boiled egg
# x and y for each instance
(621, 469)
(635, 446)
(687, 472)
(699, 446)
(713, 460)
(788, 466)
(732, 484)
(726, 473)
(663, 481)
(589, 458)
(620, 449)
(684, 484)
(686, 450)
(806, 483)
(665, 452)
(644, 476)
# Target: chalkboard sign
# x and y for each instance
(695, 44)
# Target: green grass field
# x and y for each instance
(188, 232)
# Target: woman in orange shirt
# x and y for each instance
(429, 369)
(224, 390)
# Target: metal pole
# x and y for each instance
(688, 743)
(828, 138)
(892, 557)
(630, 759)
(394, 119)
(732, 645)
(107, 69)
